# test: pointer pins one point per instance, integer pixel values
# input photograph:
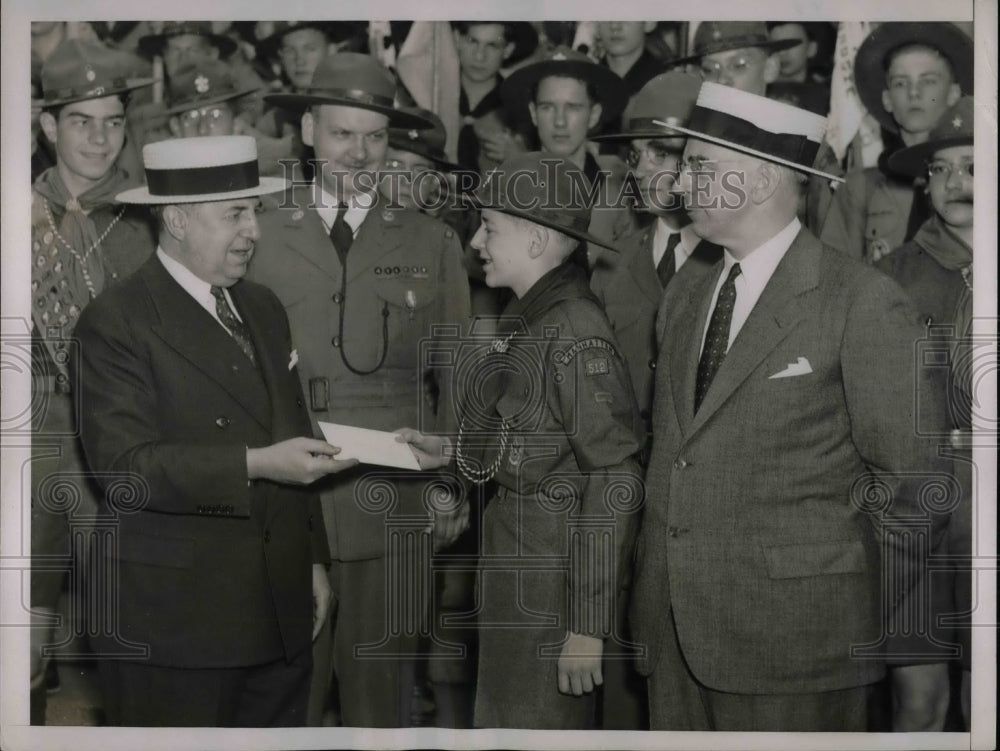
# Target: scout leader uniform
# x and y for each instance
(604, 176)
(360, 310)
(79, 246)
(877, 210)
(557, 431)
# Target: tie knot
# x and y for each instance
(217, 293)
(734, 272)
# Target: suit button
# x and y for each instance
(673, 531)
(222, 422)
(680, 464)
(338, 298)
(652, 364)
(335, 341)
(299, 402)
(267, 536)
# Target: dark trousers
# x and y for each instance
(271, 695)
(677, 701)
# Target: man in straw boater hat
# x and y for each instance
(364, 284)
(82, 241)
(784, 452)
(192, 418)
(548, 414)
(907, 76)
(935, 268)
(568, 97)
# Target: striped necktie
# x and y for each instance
(237, 329)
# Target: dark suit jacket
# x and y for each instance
(755, 529)
(212, 570)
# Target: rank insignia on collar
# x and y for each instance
(201, 84)
(297, 216)
(91, 75)
(388, 215)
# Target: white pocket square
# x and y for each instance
(293, 359)
(797, 368)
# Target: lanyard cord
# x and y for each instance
(340, 330)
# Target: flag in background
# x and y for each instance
(847, 119)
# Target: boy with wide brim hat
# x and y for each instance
(563, 408)
(200, 88)
(907, 75)
(154, 44)
(936, 269)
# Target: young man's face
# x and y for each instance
(794, 61)
(213, 120)
(919, 89)
(950, 185)
(655, 165)
(563, 113)
(348, 141)
(749, 69)
(502, 242)
(419, 186)
(623, 38)
(219, 239)
(187, 48)
(301, 53)
(88, 137)
(482, 51)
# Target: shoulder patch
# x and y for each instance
(566, 356)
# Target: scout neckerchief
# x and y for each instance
(67, 268)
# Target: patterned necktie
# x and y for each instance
(668, 263)
(236, 327)
(717, 338)
(341, 234)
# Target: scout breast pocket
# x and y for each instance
(407, 293)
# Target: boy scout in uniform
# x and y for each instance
(907, 75)
(363, 284)
(558, 432)
(82, 241)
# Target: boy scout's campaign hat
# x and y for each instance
(872, 60)
(201, 84)
(954, 129)
(79, 69)
(758, 126)
(521, 33)
(428, 142)
(668, 97)
(724, 36)
(518, 88)
(351, 79)
(153, 44)
(335, 31)
(199, 170)
(541, 188)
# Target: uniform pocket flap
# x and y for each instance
(409, 296)
(814, 559)
(174, 552)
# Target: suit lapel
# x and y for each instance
(379, 234)
(192, 332)
(643, 271)
(770, 321)
(685, 337)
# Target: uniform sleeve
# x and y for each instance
(599, 412)
(118, 406)
(844, 228)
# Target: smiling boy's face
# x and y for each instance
(502, 242)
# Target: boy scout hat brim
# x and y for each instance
(725, 36)
(192, 104)
(668, 97)
(200, 85)
(955, 129)
(351, 79)
(153, 44)
(79, 70)
(869, 65)
(428, 143)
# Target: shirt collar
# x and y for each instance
(199, 289)
(759, 264)
(356, 210)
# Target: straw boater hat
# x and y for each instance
(153, 44)
(200, 170)
(78, 70)
(428, 143)
(954, 129)
(351, 79)
(758, 126)
(724, 36)
(668, 97)
(874, 52)
(518, 87)
(551, 197)
(202, 84)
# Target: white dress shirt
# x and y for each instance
(682, 251)
(354, 216)
(199, 289)
(756, 270)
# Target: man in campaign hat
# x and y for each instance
(740, 54)
(82, 241)
(784, 391)
(364, 283)
(907, 76)
(558, 433)
(193, 421)
(200, 100)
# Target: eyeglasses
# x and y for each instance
(701, 164)
(946, 169)
(208, 113)
(735, 66)
(655, 155)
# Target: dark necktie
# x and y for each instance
(668, 265)
(236, 327)
(341, 234)
(717, 338)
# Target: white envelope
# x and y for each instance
(797, 368)
(369, 446)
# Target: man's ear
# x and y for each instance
(175, 220)
(595, 115)
(508, 51)
(538, 238)
(308, 127)
(954, 94)
(49, 126)
(766, 179)
(886, 101)
(772, 67)
(532, 111)
(811, 49)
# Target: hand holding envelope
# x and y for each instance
(431, 451)
(369, 446)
